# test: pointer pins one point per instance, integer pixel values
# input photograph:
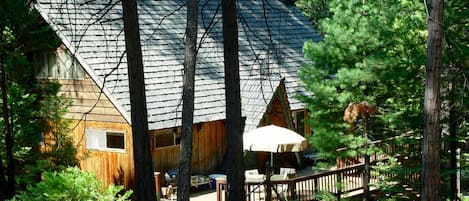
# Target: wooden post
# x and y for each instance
(316, 188)
(219, 190)
(292, 189)
(145, 184)
(268, 188)
(157, 176)
(339, 185)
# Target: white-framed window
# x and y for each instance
(105, 140)
(59, 64)
(167, 137)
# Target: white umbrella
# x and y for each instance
(273, 139)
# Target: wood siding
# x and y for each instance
(278, 110)
(117, 167)
(209, 148)
(111, 166)
(87, 99)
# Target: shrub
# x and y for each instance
(72, 184)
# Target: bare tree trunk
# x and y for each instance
(3, 182)
(144, 179)
(366, 176)
(453, 139)
(431, 143)
(185, 157)
(9, 190)
(3, 191)
(234, 124)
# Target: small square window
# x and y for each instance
(167, 137)
(115, 140)
(102, 140)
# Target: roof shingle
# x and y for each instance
(271, 37)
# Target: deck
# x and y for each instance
(342, 183)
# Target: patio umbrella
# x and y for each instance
(273, 139)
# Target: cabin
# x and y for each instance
(91, 66)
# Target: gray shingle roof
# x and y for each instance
(271, 37)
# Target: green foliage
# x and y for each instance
(72, 184)
(325, 196)
(375, 51)
(369, 53)
(314, 10)
(395, 180)
(22, 33)
(28, 125)
(53, 108)
(23, 121)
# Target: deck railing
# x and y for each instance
(342, 182)
(345, 181)
(339, 182)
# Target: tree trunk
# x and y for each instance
(144, 178)
(431, 141)
(453, 139)
(9, 190)
(234, 124)
(366, 176)
(185, 157)
(3, 191)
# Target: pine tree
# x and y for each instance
(369, 53)
(21, 33)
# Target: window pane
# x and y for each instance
(300, 122)
(115, 140)
(95, 138)
(44, 64)
(69, 66)
(52, 64)
(164, 139)
(167, 137)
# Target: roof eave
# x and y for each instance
(85, 66)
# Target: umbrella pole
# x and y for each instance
(272, 159)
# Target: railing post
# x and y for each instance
(316, 187)
(292, 188)
(339, 185)
(268, 187)
(219, 186)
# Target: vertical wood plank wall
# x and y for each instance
(117, 166)
(111, 166)
(209, 148)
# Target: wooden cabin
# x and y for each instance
(91, 66)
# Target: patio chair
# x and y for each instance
(254, 176)
(255, 192)
(285, 173)
(288, 173)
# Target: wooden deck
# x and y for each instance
(342, 183)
